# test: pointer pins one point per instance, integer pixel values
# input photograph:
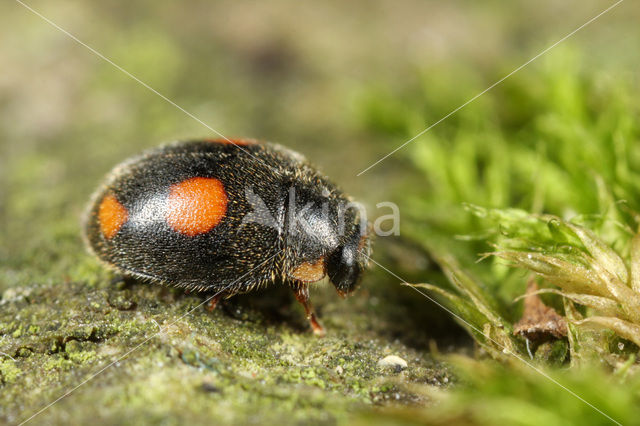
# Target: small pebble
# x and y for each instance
(392, 361)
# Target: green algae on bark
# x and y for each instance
(149, 353)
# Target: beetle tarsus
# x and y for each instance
(213, 302)
(301, 292)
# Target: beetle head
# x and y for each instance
(346, 264)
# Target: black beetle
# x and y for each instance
(228, 216)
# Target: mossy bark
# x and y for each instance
(139, 352)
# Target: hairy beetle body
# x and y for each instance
(227, 216)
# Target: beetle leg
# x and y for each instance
(213, 302)
(301, 292)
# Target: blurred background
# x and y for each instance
(344, 83)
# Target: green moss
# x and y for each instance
(552, 353)
(515, 394)
(67, 117)
(57, 363)
(9, 372)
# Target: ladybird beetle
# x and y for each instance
(227, 217)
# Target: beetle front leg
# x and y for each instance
(301, 292)
(213, 301)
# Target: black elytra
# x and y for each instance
(227, 217)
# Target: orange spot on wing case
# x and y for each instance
(240, 142)
(111, 216)
(195, 206)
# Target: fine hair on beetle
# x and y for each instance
(297, 218)
(229, 216)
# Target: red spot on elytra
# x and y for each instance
(111, 216)
(237, 142)
(196, 205)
